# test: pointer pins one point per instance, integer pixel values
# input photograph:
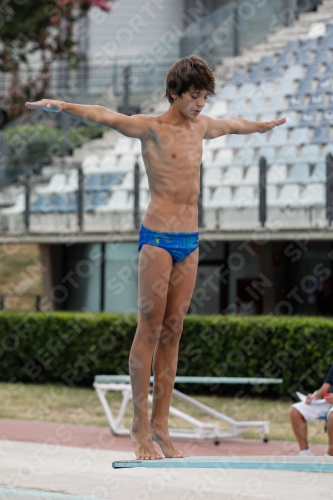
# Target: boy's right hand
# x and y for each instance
(309, 399)
(46, 105)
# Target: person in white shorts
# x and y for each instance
(303, 413)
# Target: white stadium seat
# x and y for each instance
(233, 176)
(218, 109)
(212, 177)
(56, 185)
(90, 161)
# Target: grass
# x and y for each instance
(51, 403)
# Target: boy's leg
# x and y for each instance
(155, 266)
(181, 286)
(300, 428)
(330, 433)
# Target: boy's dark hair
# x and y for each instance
(191, 71)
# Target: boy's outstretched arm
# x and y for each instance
(131, 126)
(237, 125)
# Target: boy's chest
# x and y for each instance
(177, 144)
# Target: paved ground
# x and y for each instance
(77, 460)
(100, 437)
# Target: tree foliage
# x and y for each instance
(43, 27)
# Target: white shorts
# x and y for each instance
(311, 412)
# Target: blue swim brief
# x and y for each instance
(179, 245)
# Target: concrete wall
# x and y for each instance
(132, 28)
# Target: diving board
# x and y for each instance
(100, 379)
(284, 463)
(201, 430)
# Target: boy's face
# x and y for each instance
(191, 103)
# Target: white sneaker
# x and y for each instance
(328, 456)
(304, 453)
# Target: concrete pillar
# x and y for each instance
(46, 264)
(266, 267)
(52, 262)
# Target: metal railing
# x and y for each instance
(133, 220)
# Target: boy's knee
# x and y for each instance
(174, 323)
(171, 330)
(294, 413)
(150, 327)
(330, 420)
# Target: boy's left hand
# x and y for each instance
(273, 123)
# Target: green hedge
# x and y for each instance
(28, 144)
(71, 348)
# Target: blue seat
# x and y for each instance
(321, 57)
(328, 149)
(321, 135)
(325, 85)
(72, 203)
(60, 203)
(317, 102)
(236, 141)
(292, 118)
(93, 182)
(245, 157)
(328, 70)
(299, 136)
(292, 46)
(229, 92)
(308, 119)
(303, 57)
(309, 44)
(327, 118)
(266, 62)
(330, 101)
(287, 155)
(257, 104)
(325, 424)
(327, 42)
(299, 174)
(99, 198)
(319, 172)
(309, 153)
(238, 78)
(277, 137)
(285, 60)
(276, 104)
(42, 205)
(267, 152)
(296, 103)
(286, 88)
(305, 87)
(111, 180)
(295, 72)
(274, 74)
(247, 91)
(256, 76)
(313, 71)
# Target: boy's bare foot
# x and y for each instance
(163, 439)
(143, 443)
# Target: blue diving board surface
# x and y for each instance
(107, 379)
(285, 463)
